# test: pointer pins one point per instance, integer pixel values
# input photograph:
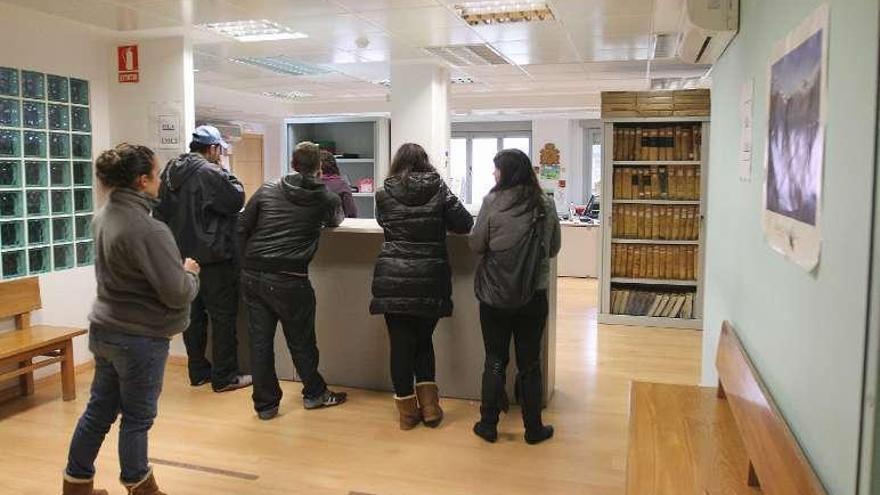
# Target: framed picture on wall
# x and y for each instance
(795, 153)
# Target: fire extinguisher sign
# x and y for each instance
(127, 61)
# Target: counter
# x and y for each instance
(354, 344)
(581, 245)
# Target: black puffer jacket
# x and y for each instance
(281, 224)
(200, 203)
(412, 275)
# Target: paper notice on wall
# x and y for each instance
(169, 131)
(746, 112)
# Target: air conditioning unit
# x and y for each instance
(707, 27)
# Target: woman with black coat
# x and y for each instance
(517, 232)
(412, 281)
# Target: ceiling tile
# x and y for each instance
(536, 69)
(191, 13)
(410, 21)
(367, 5)
(519, 31)
(573, 9)
(623, 54)
(285, 9)
(609, 26)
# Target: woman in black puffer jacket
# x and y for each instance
(412, 281)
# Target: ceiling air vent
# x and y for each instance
(466, 55)
(665, 45)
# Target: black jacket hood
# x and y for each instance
(182, 168)
(414, 189)
(302, 190)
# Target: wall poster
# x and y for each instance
(796, 140)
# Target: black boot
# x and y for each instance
(494, 399)
(530, 388)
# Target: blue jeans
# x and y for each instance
(128, 380)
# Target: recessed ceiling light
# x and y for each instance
(287, 95)
(480, 12)
(254, 30)
(282, 65)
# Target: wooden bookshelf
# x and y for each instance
(653, 231)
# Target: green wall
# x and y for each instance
(804, 331)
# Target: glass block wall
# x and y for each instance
(46, 195)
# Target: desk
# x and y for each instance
(579, 256)
(354, 344)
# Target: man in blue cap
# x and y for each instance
(200, 202)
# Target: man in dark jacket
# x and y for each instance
(200, 202)
(278, 236)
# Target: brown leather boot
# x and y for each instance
(75, 486)
(429, 402)
(408, 407)
(146, 486)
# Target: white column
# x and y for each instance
(420, 110)
(166, 87)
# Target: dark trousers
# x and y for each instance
(270, 297)
(128, 380)
(412, 351)
(526, 326)
(217, 300)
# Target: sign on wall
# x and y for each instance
(127, 62)
(169, 131)
(796, 142)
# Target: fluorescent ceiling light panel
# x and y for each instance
(676, 83)
(282, 65)
(467, 55)
(480, 12)
(254, 30)
(287, 95)
(462, 80)
(455, 80)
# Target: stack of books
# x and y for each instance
(652, 303)
(658, 142)
(656, 222)
(651, 261)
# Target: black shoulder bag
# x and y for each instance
(509, 278)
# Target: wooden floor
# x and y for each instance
(209, 444)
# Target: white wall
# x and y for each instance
(42, 43)
(166, 86)
(568, 136)
(805, 332)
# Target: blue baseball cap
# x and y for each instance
(209, 135)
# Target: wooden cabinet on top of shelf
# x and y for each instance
(652, 258)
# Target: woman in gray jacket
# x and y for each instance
(144, 294)
(508, 220)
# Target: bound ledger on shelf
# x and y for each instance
(652, 303)
(672, 182)
(660, 142)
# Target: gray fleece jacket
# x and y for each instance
(142, 286)
(502, 222)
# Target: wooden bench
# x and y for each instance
(21, 346)
(699, 440)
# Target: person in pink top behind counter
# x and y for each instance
(337, 184)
